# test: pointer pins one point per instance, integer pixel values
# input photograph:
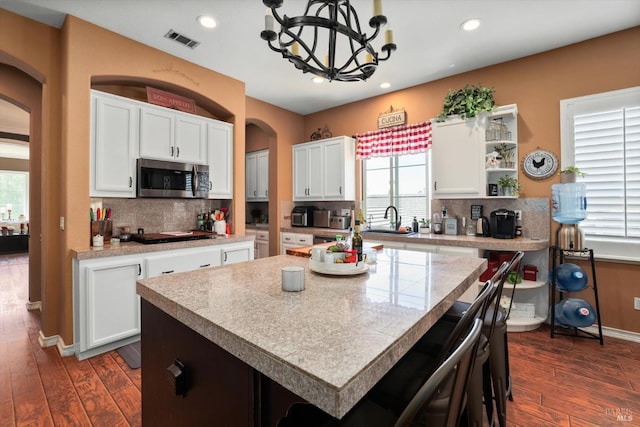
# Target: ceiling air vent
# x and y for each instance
(180, 38)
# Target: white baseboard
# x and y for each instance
(35, 305)
(58, 342)
(615, 333)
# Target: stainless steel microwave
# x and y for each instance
(160, 178)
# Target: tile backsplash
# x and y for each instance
(535, 212)
(155, 215)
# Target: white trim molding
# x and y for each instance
(56, 340)
(615, 333)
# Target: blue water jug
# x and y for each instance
(569, 202)
(570, 277)
(574, 312)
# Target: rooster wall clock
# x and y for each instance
(540, 164)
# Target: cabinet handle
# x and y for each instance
(255, 193)
(139, 270)
(341, 190)
(266, 193)
(210, 185)
(177, 378)
(172, 151)
(435, 185)
(168, 271)
(177, 151)
(225, 257)
(130, 182)
(205, 265)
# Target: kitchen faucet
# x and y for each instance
(369, 223)
(386, 214)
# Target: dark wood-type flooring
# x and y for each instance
(556, 382)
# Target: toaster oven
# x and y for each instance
(302, 216)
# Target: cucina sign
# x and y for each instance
(392, 118)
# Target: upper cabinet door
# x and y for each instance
(114, 146)
(220, 155)
(262, 186)
(457, 159)
(157, 133)
(339, 170)
(190, 141)
(257, 176)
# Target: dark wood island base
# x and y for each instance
(221, 390)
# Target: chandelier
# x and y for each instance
(329, 29)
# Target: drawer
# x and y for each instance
(262, 235)
(304, 239)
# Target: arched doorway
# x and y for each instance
(22, 92)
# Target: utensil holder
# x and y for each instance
(102, 227)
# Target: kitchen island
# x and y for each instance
(249, 349)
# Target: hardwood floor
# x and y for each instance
(556, 382)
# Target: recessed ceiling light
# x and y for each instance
(470, 24)
(206, 21)
(317, 79)
(385, 85)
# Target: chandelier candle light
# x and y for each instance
(327, 40)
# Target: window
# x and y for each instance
(14, 194)
(401, 181)
(601, 136)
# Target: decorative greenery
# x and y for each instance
(467, 102)
(424, 223)
(507, 181)
(505, 151)
(572, 169)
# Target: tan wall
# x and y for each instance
(35, 54)
(283, 129)
(536, 84)
(86, 59)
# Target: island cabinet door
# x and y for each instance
(218, 387)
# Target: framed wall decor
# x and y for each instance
(540, 164)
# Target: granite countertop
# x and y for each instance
(133, 248)
(488, 243)
(330, 343)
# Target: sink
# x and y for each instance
(386, 230)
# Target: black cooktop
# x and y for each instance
(153, 238)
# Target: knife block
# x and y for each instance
(102, 227)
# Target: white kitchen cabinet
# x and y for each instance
(324, 170)
(257, 176)
(220, 159)
(339, 169)
(184, 260)
(459, 153)
(294, 240)
(114, 146)
(262, 244)
(457, 163)
(107, 308)
(307, 170)
(237, 252)
(172, 135)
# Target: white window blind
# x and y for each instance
(601, 136)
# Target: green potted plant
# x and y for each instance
(507, 153)
(467, 102)
(509, 186)
(568, 174)
(424, 226)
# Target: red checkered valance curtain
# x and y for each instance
(394, 141)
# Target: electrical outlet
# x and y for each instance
(518, 213)
(636, 303)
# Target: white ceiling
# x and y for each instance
(430, 43)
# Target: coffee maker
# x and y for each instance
(503, 224)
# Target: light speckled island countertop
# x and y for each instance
(133, 248)
(330, 343)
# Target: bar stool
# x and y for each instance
(496, 380)
(452, 374)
